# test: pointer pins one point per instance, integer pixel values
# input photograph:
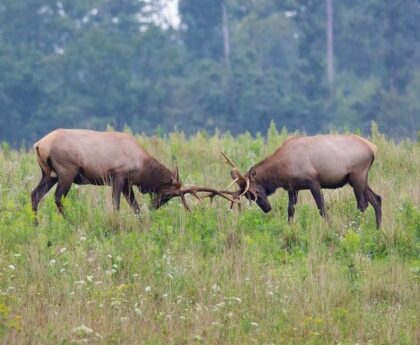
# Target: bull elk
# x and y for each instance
(68, 156)
(311, 162)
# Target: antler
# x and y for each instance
(211, 193)
(238, 173)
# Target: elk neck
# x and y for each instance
(154, 176)
(269, 175)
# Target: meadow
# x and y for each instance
(212, 276)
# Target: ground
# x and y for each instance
(212, 276)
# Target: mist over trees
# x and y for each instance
(231, 64)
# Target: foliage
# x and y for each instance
(212, 275)
(98, 62)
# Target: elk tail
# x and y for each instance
(45, 164)
(372, 146)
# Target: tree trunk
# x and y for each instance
(226, 37)
(330, 45)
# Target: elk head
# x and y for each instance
(249, 186)
(174, 189)
(167, 191)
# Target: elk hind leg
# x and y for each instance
(359, 187)
(376, 201)
(62, 189)
(44, 186)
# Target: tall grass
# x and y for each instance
(213, 276)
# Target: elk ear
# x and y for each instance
(252, 173)
(175, 175)
(235, 176)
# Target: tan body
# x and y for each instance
(93, 157)
(315, 162)
(79, 156)
(68, 156)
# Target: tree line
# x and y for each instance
(311, 65)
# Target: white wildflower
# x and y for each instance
(82, 331)
(63, 250)
(83, 238)
(148, 289)
(52, 262)
(219, 305)
(115, 303)
(12, 267)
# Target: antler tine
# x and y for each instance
(232, 183)
(235, 167)
(246, 188)
(184, 203)
(229, 161)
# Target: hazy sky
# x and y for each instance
(171, 12)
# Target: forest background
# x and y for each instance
(234, 65)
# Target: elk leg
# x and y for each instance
(292, 202)
(61, 190)
(46, 183)
(117, 187)
(376, 201)
(319, 198)
(131, 199)
(359, 193)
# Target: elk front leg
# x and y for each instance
(128, 193)
(292, 202)
(117, 184)
(319, 198)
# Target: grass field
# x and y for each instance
(213, 276)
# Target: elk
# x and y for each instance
(79, 156)
(311, 162)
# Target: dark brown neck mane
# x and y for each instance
(268, 175)
(155, 176)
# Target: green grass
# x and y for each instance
(213, 276)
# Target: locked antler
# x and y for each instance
(231, 196)
(238, 173)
